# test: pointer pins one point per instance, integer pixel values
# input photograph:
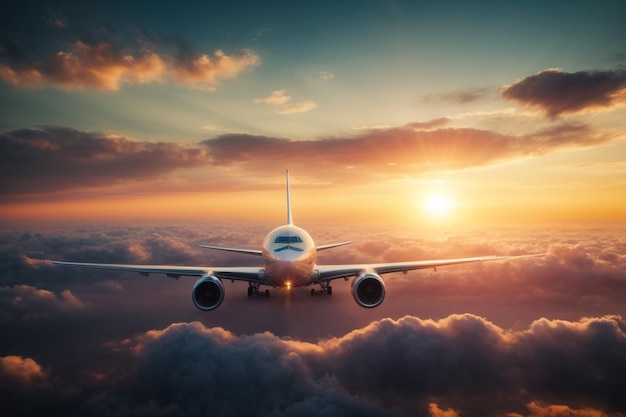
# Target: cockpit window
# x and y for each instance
(288, 239)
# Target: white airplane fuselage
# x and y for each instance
(289, 254)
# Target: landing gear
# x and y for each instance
(326, 289)
(253, 289)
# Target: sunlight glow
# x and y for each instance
(439, 204)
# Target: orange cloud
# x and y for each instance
(24, 371)
(406, 149)
(537, 409)
(205, 72)
(435, 411)
(105, 66)
(279, 99)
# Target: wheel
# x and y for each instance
(312, 292)
(267, 293)
(250, 291)
(329, 290)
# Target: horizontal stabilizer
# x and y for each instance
(333, 245)
(244, 251)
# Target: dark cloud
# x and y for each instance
(552, 361)
(557, 92)
(28, 303)
(56, 158)
(399, 367)
(206, 368)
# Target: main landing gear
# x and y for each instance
(326, 289)
(253, 289)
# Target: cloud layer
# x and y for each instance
(557, 92)
(51, 159)
(462, 365)
(87, 330)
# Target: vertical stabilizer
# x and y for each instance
(289, 218)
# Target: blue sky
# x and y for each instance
(362, 63)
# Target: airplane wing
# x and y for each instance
(251, 274)
(330, 272)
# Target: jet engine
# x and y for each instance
(368, 290)
(208, 293)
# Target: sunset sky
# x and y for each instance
(130, 132)
(120, 110)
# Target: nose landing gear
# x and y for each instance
(253, 289)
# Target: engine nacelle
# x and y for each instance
(208, 293)
(368, 290)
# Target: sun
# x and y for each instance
(439, 204)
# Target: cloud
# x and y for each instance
(52, 159)
(557, 92)
(390, 367)
(407, 149)
(24, 371)
(27, 302)
(205, 72)
(277, 98)
(301, 107)
(431, 124)
(56, 158)
(542, 410)
(28, 285)
(106, 66)
(280, 100)
(350, 361)
(460, 97)
(215, 128)
(435, 411)
(326, 75)
(202, 368)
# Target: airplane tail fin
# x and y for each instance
(289, 218)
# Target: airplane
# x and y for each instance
(289, 261)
